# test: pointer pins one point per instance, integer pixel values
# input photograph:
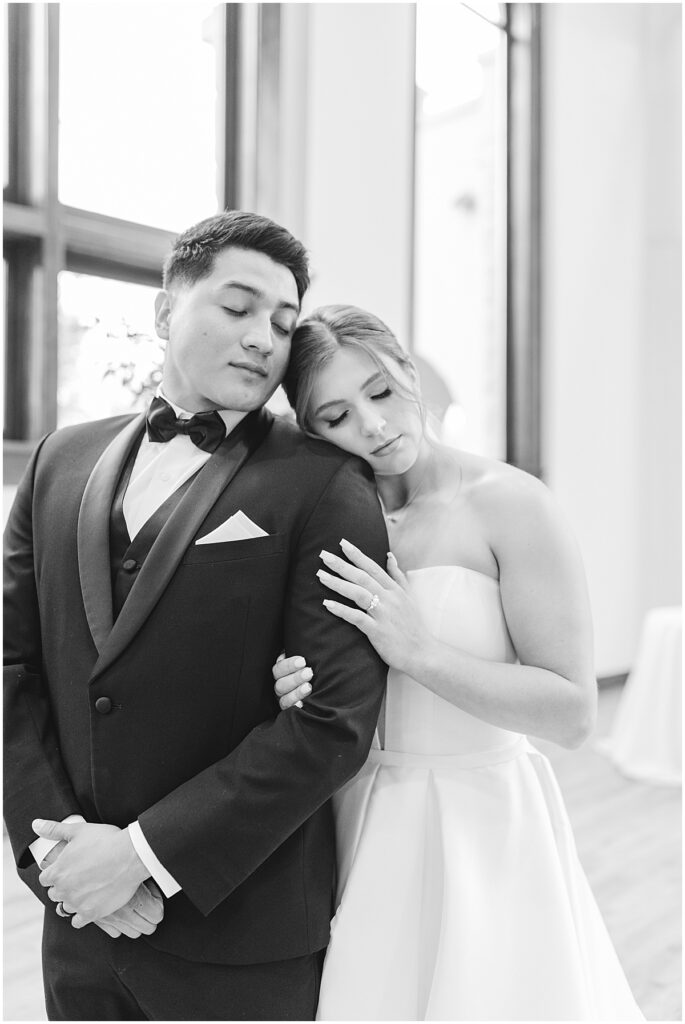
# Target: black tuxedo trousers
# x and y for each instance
(89, 976)
(231, 793)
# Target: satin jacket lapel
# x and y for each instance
(93, 532)
(177, 533)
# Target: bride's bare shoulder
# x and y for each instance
(502, 494)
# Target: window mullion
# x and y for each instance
(106, 241)
(19, 28)
(22, 260)
(268, 107)
(44, 343)
(523, 244)
(228, 119)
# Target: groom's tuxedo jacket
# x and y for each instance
(231, 793)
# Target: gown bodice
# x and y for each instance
(462, 608)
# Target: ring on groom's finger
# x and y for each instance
(61, 911)
(375, 601)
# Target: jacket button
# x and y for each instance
(130, 565)
(103, 705)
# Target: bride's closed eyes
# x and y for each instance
(343, 416)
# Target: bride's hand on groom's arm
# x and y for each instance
(292, 680)
(393, 623)
(384, 609)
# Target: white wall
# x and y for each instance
(611, 280)
(660, 355)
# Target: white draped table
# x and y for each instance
(646, 738)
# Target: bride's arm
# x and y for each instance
(552, 692)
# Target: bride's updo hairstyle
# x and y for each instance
(320, 335)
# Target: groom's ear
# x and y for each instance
(162, 313)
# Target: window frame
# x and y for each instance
(43, 237)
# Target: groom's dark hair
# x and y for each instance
(194, 251)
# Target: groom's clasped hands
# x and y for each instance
(94, 875)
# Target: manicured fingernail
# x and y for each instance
(306, 689)
(346, 542)
(298, 704)
(299, 662)
(326, 603)
(325, 555)
(307, 674)
(390, 555)
(37, 823)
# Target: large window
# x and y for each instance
(460, 276)
(109, 356)
(127, 122)
(476, 155)
(121, 132)
(138, 116)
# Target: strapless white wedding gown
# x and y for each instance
(460, 892)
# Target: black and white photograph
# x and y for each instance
(342, 507)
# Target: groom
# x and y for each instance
(155, 568)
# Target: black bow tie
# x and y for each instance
(205, 429)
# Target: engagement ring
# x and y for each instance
(375, 601)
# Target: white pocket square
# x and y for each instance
(236, 527)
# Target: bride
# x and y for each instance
(460, 893)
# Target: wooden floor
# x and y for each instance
(628, 837)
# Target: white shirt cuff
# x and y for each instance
(41, 847)
(164, 880)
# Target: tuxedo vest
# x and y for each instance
(126, 555)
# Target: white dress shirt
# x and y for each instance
(160, 468)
